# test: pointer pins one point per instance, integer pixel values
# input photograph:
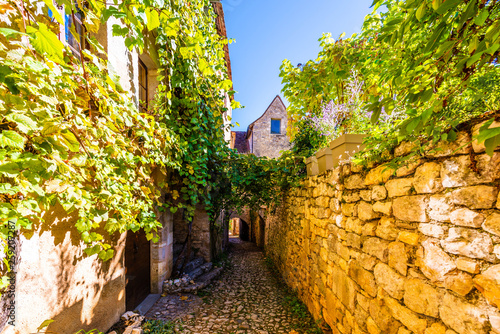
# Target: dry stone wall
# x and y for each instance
(409, 250)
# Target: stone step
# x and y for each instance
(202, 281)
(193, 264)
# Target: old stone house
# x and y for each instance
(266, 136)
(54, 279)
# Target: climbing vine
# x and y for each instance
(419, 56)
(72, 138)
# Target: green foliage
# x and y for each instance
(417, 56)
(158, 327)
(72, 138)
(308, 140)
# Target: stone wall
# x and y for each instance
(262, 141)
(409, 250)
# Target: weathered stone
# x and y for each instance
(389, 280)
(409, 238)
(399, 187)
(383, 207)
(492, 223)
(360, 316)
(468, 242)
(363, 301)
(353, 240)
(350, 209)
(410, 208)
(379, 193)
(433, 261)
(427, 178)
(383, 318)
(363, 277)
(366, 195)
(386, 229)
(404, 148)
(355, 181)
(407, 317)
(489, 284)
(462, 316)
(351, 197)
(467, 265)
(365, 211)
(344, 288)
(398, 258)
(436, 329)
(476, 197)
(335, 205)
(369, 229)
(403, 330)
(466, 217)
(434, 230)
(498, 201)
(354, 225)
(457, 172)
(372, 327)
(367, 261)
(379, 175)
(408, 167)
(445, 148)
(440, 207)
(422, 298)
(459, 282)
(496, 251)
(376, 247)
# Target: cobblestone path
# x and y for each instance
(245, 299)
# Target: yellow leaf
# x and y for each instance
(184, 298)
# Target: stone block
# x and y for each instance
(433, 261)
(445, 148)
(440, 207)
(469, 243)
(351, 197)
(422, 298)
(361, 316)
(404, 148)
(398, 258)
(353, 240)
(428, 178)
(379, 193)
(459, 282)
(496, 251)
(383, 318)
(407, 317)
(434, 230)
(350, 209)
(489, 284)
(356, 181)
(399, 187)
(492, 223)
(403, 330)
(409, 238)
(436, 329)
(467, 265)
(389, 280)
(372, 327)
(462, 316)
(335, 205)
(369, 229)
(366, 195)
(379, 175)
(344, 288)
(476, 197)
(457, 171)
(363, 277)
(408, 167)
(410, 208)
(466, 217)
(354, 225)
(367, 261)
(383, 207)
(386, 229)
(377, 247)
(365, 211)
(478, 148)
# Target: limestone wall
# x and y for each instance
(411, 250)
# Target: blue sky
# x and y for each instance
(266, 32)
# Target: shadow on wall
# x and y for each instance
(244, 230)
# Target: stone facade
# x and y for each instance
(260, 139)
(411, 250)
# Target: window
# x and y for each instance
(276, 126)
(143, 87)
(75, 32)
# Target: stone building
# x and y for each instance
(54, 279)
(266, 136)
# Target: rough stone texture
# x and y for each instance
(476, 197)
(463, 317)
(492, 223)
(468, 242)
(489, 284)
(467, 218)
(410, 208)
(427, 178)
(446, 148)
(422, 297)
(391, 261)
(399, 187)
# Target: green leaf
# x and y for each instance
(55, 11)
(71, 141)
(481, 18)
(421, 11)
(435, 37)
(447, 5)
(9, 169)
(46, 42)
(24, 123)
(491, 144)
(44, 324)
(9, 138)
(10, 32)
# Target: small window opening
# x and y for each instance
(275, 126)
(143, 87)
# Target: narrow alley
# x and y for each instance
(246, 298)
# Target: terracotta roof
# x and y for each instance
(239, 141)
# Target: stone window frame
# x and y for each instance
(271, 127)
